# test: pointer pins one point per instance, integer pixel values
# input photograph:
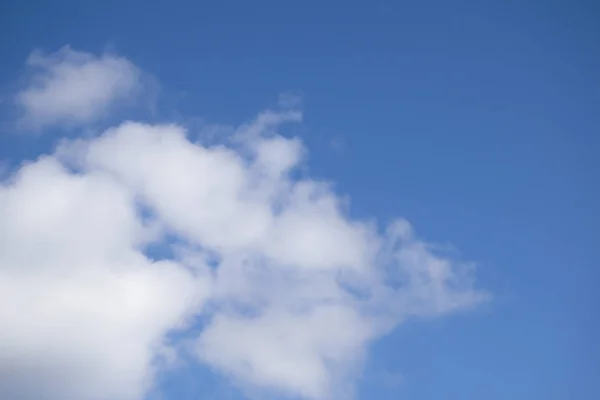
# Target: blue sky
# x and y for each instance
(478, 122)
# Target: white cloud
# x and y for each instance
(82, 310)
(300, 353)
(292, 288)
(70, 87)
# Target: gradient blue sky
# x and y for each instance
(479, 121)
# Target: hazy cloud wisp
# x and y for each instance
(72, 88)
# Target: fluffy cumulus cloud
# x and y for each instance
(72, 88)
(292, 290)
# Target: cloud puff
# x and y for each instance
(83, 312)
(70, 87)
(292, 290)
